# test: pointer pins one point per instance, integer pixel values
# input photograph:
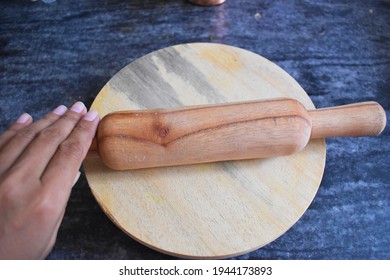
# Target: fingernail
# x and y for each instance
(60, 110)
(23, 118)
(78, 107)
(91, 115)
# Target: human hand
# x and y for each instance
(39, 164)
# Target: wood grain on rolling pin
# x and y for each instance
(228, 131)
(198, 134)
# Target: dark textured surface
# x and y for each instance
(339, 51)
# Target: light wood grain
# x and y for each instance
(211, 210)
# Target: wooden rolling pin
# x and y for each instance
(230, 131)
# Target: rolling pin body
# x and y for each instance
(230, 131)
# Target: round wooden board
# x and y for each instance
(214, 210)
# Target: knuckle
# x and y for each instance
(7, 134)
(71, 117)
(43, 211)
(84, 127)
(10, 193)
(28, 133)
(72, 149)
(8, 196)
(50, 133)
(49, 118)
(44, 208)
(78, 128)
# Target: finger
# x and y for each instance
(63, 167)
(23, 121)
(19, 140)
(37, 155)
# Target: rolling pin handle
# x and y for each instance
(359, 119)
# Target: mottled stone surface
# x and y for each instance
(54, 52)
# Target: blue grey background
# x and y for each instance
(339, 51)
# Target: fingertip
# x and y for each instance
(21, 122)
(24, 118)
(60, 110)
(78, 107)
(91, 116)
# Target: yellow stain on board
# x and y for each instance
(229, 60)
(157, 200)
